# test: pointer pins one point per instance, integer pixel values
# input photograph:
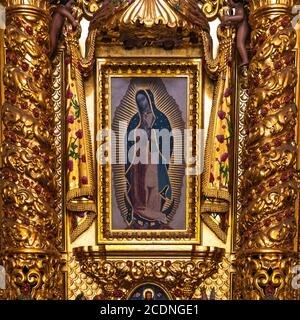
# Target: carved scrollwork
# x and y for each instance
(270, 181)
(267, 276)
(32, 276)
(28, 184)
(58, 100)
(117, 277)
(219, 281)
(211, 8)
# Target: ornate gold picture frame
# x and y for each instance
(153, 74)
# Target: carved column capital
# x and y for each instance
(260, 9)
(37, 4)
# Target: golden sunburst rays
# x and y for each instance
(120, 120)
(151, 12)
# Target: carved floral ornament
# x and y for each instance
(259, 228)
(211, 8)
(128, 19)
(124, 21)
(30, 224)
(269, 187)
(181, 277)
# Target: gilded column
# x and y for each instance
(29, 225)
(269, 188)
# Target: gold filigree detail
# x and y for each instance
(269, 187)
(240, 136)
(211, 8)
(28, 186)
(58, 96)
(33, 276)
(179, 277)
(80, 282)
(168, 23)
(263, 8)
(266, 276)
(219, 281)
(41, 4)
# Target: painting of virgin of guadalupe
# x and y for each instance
(149, 188)
(149, 199)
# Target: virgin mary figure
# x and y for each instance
(148, 196)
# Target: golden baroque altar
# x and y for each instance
(77, 222)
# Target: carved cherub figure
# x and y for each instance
(58, 18)
(240, 18)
